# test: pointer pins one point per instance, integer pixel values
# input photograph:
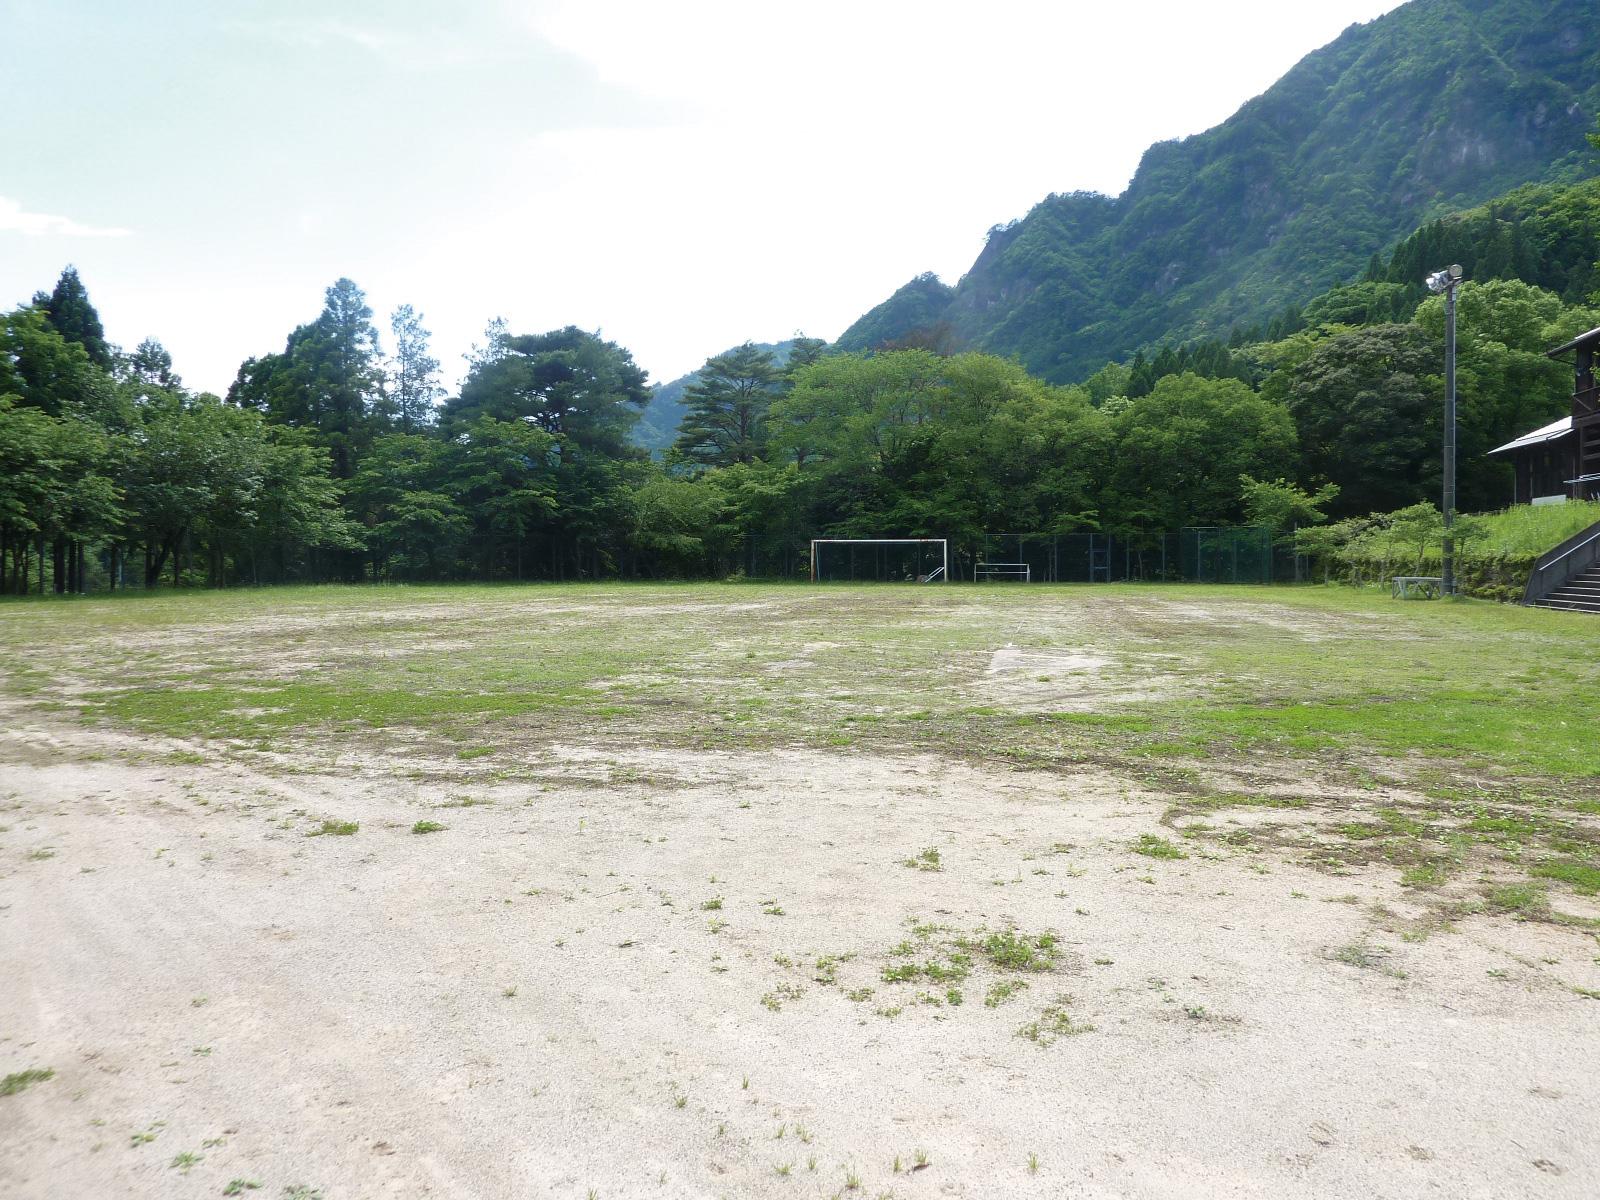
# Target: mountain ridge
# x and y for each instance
(1436, 106)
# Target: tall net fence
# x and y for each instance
(1239, 554)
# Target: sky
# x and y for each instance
(680, 176)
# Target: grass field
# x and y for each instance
(707, 890)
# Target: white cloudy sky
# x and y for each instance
(681, 176)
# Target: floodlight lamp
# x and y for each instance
(1455, 270)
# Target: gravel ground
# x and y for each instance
(545, 998)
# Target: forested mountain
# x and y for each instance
(918, 310)
(658, 424)
(1439, 105)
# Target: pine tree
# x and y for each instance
(496, 335)
(726, 407)
(803, 351)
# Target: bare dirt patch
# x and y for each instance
(1075, 680)
(699, 973)
(683, 891)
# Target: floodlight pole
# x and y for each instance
(1447, 281)
(1448, 584)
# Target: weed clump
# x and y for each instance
(14, 1083)
(1152, 846)
(332, 828)
(927, 859)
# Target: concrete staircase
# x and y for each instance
(1568, 577)
(1581, 593)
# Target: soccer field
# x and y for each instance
(750, 890)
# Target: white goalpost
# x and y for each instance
(930, 553)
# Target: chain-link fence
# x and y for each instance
(1235, 554)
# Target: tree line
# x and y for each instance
(336, 459)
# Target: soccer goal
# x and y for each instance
(880, 560)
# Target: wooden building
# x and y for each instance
(1561, 460)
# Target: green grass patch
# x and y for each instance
(332, 828)
(1012, 951)
(1522, 898)
(1580, 876)
(1425, 875)
(21, 1080)
(1152, 846)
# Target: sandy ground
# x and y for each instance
(534, 1002)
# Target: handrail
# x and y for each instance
(1540, 581)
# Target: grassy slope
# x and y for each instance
(1525, 531)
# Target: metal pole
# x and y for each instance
(1448, 584)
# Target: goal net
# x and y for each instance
(880, 560)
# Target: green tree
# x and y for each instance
(196, 471)
(54, 489)
(415, 525)
(726, 407)
(568, 382)
(505, 474)
(1504, 383)
(1180, 451)
(328, 379)
(413, 372)
(1369, 408)
(1280, 505)
(151, 364)
(74, 318)
(43, 370)
(682, 524)
(297, 512)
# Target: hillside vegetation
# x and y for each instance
(1440, 105)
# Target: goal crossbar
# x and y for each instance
(941, 572)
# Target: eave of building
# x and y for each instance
(1552, 432)
(1583, 339)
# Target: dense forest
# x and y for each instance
(1432, 108)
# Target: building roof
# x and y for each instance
(1583, 339)
(1552, 432)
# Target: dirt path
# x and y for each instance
(538, 1001)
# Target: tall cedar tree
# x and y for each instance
(726, 408)
(413, 372)
(75, 319)
(328, 379)
(152, 364)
